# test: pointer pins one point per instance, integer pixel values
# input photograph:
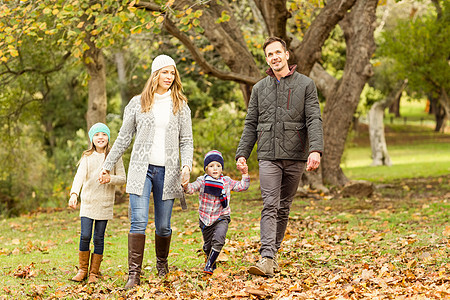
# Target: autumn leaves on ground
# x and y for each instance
(394, 244)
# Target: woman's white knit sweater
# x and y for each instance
(97, 200)
(161, 111)
(179, 147)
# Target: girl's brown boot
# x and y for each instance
(83, 257)
(94, 272)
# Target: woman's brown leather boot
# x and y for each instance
(162, 246)
(136, 245)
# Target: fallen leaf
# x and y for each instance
(446, 231)
(255, 291)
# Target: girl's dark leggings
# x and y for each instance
(99, 234)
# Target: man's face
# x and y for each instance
(276, 56)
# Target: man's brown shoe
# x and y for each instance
(264, 267)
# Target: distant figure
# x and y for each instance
(160, 120)
(283, 117)
(97, 200)
(214, 209)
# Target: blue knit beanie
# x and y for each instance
(99, 127)
(212, 155)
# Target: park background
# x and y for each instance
(68, 64)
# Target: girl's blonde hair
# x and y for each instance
(147, 95)
(91, 150)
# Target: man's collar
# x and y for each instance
(291, 71)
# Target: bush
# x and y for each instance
(221, 130)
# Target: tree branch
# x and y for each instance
(275, 16)
(309, 50)
(201, 61)
(39, 71)
(208, 68)
(324, 81)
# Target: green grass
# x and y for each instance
(323, 237)
(414, 112)
(414, 151)
(402, 228)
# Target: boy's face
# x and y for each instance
(214, 169)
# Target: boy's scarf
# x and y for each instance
(215, 187)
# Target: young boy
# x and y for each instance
(214, 209)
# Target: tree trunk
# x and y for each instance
(438, 109)
(445, 104)
(358, 26)
(394, 108)
(95, 64)
(380, 156)
(125, 96)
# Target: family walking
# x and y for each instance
(284, 120)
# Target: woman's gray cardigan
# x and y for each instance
(179, 142)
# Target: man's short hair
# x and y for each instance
(274, 39)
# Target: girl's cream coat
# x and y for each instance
(97, 200)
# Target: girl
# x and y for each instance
(160, 120)
(96, 200)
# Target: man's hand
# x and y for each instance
(313, 161)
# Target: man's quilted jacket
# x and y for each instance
(283, 118)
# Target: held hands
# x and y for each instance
(313, 161)
(185, 175)
(104, 177)
(73, 201)
(241, 165)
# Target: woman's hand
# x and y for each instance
(73, 201)
(104, 177)
(185, 175)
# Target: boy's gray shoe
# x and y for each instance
(264, 267)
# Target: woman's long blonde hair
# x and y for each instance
(147, 95)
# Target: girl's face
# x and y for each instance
(214, 169)
(100, 141)
(166, 78)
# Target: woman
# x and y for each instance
(161, 120)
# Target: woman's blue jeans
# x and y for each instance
(163, 208)
(99, 234)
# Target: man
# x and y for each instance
(284, 118)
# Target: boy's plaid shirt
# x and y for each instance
(210, 209)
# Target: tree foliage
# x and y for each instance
(68, 23)
(419, 48)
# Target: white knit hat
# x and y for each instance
(162, 61)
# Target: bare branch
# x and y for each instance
(34, 70)
(324, 81)
(201, 61)
(308, 52)
(208, 68)
(275, 16)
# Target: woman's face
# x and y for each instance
(166, 78)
